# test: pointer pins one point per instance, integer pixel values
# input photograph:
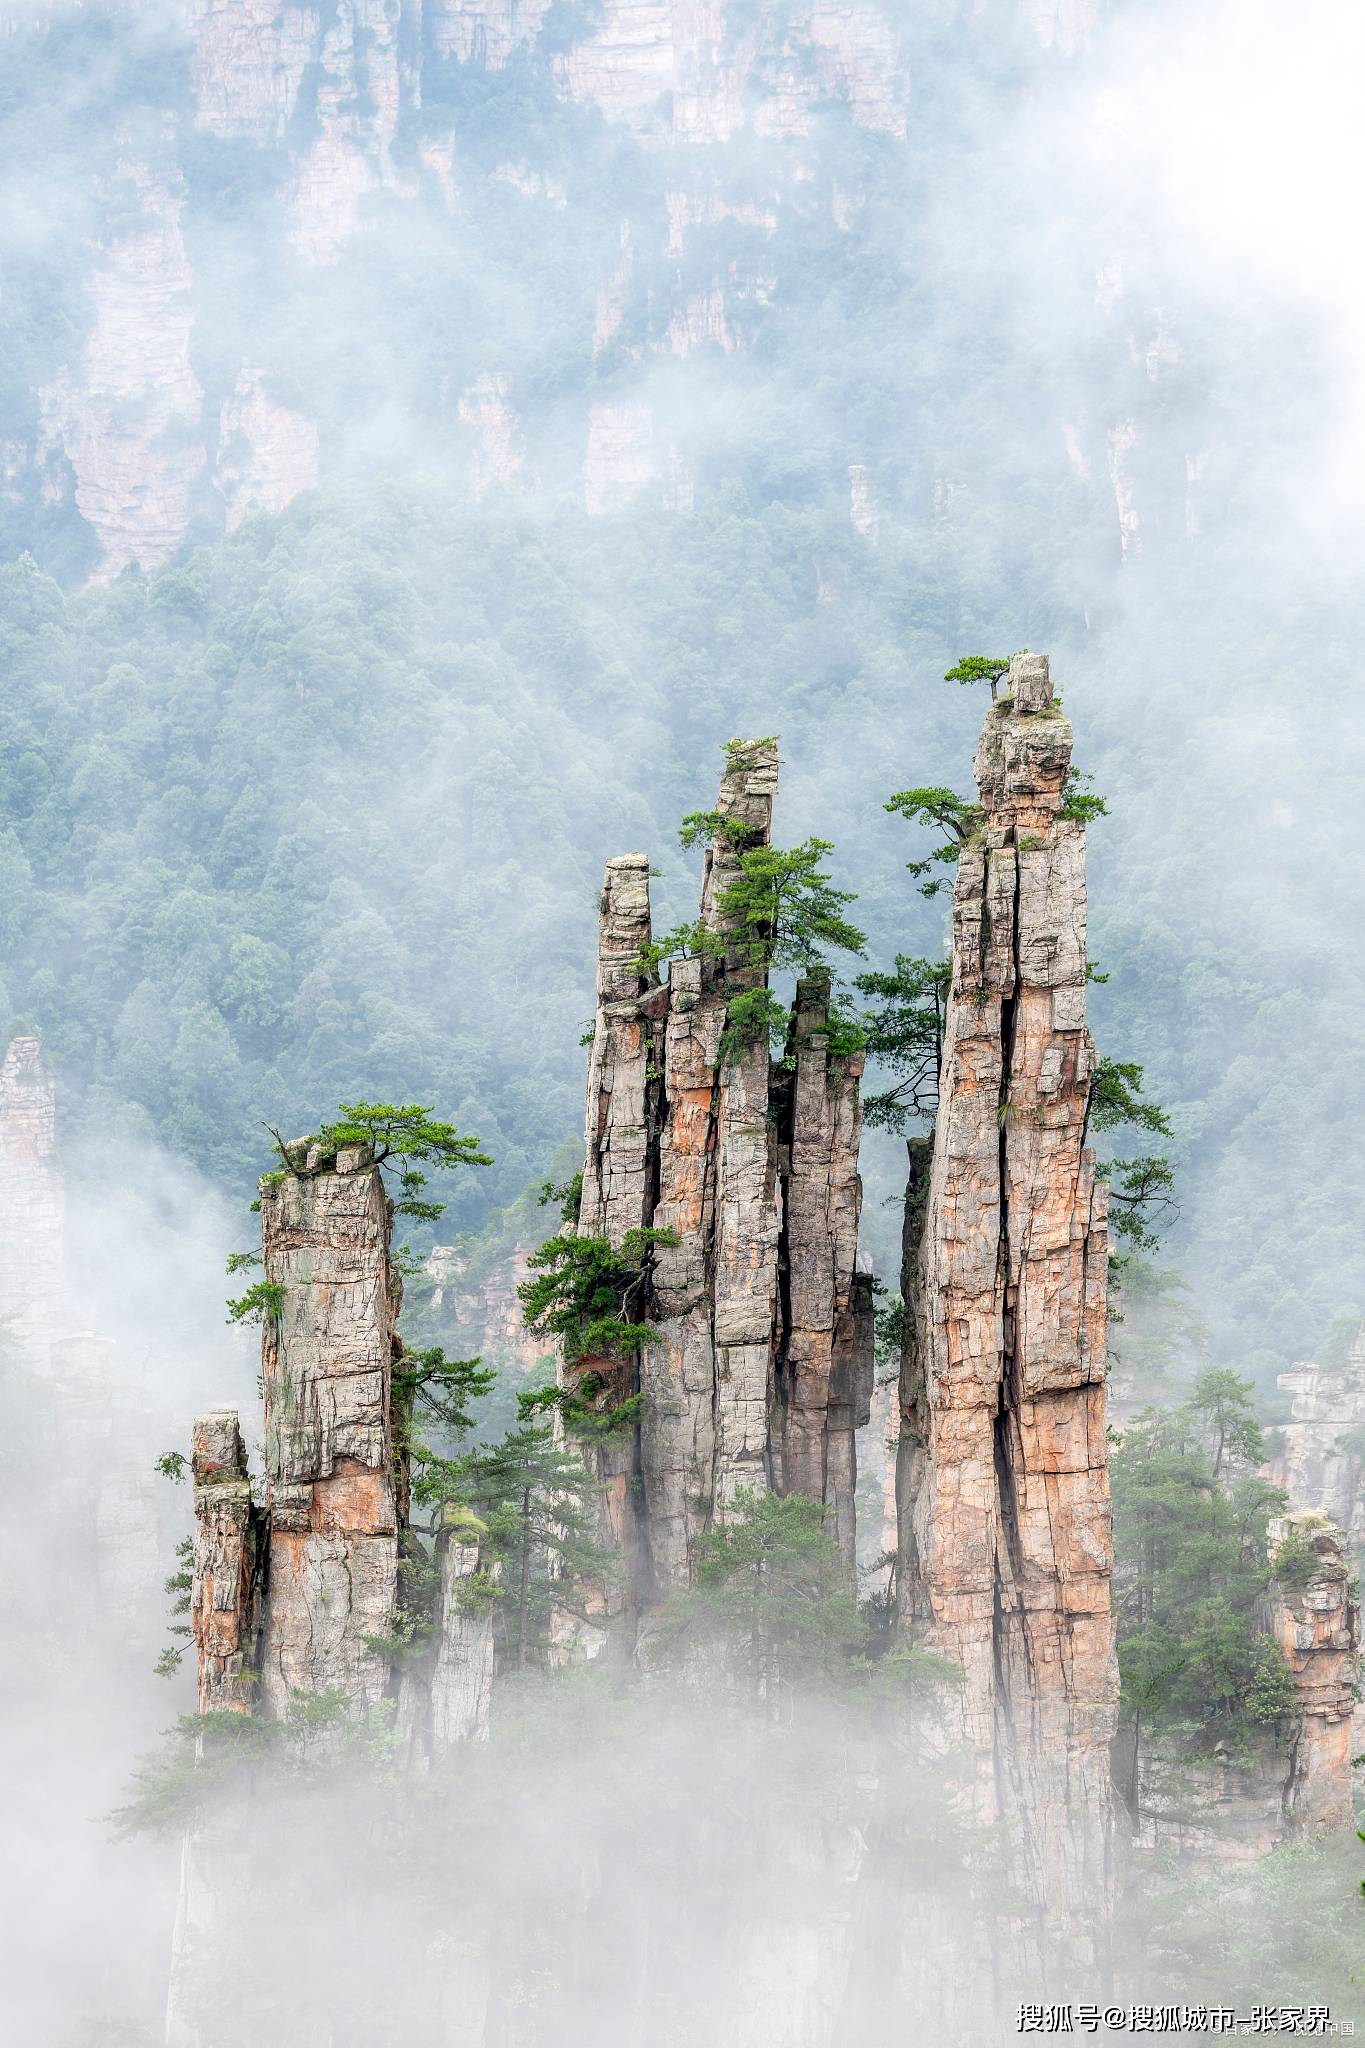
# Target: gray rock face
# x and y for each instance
(1322, 1464)
(225, 1600)
(32, 1205)
(1005, 1543)
(327, 1360)
(1317, 1626)
(759, 1369)
(462, 1683)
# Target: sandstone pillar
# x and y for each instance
(225, 1597)
(1317, 1626)
(327, 1358)
(824, 1362)
(1006, 1543)
(689, 1129)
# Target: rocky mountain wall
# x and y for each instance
(1321, 1464)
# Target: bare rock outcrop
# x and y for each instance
(128, 416)
(327, 1362)
(758, 1368)
(462, 1682)
(1317, 1626)
(225, 1597)
(32, 1206)
(1005, 1537)
(267, 452)
(1322, 1462)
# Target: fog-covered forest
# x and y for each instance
(429, 433)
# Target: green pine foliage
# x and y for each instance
(590, 1294)
(1192, 1574)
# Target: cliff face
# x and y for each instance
(128, 417)
(759, 1368)
(1317, 1626)
(1322, 1464)
(32, 1205)
(153, 420)
(1004, 1499)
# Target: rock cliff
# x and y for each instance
(32, 1206)
(1317, 1626)
(759, 1366)
(1322, 1462)
(1005, 1543)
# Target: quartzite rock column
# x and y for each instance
(1317, 1627)
(618, 1183)
(224, 1602)
(1005, 1528)
(745, 1256)
(758, 1367)
(328, 1360)
(824, 1365)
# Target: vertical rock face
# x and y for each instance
(1322, 1464)
(267, 452)
(1005, 1531)
(32, 1206)
(759, 1366)
(224, 1599)
(1317, 1626)
(328, 1356)
(129, 415)
(824, 1365)
(462, 1682)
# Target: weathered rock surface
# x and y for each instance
(689, 1130)
(32, 1206)
(823, 1380)
(224, 1601)
(462, 1682)
(1317, 1627)
(1005, 1548)
(128, 416)
(267, 452)
(327, 1359)
(1322, 1463)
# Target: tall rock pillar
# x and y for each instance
(1005, 1532)
(758, 1368)
(1317, 1626)
(328, 1355)
(224, 1600)
(823, 1378)
(619, 1182)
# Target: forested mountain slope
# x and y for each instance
(495, 423)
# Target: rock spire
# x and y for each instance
(1005, 1539)
(298, 1593)
(759, 1367)
(1317, 1626)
